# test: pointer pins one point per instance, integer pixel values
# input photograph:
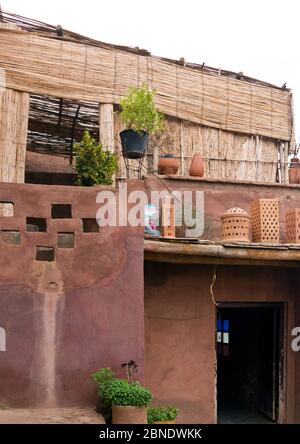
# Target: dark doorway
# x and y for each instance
(248, 344)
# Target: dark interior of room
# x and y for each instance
(248, 364)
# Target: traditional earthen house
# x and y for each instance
(209, 322)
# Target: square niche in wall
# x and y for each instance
(61, 211)
(65, 240)
(11, 237)
(44, 254)
(36, 224)
(6, 209)
(90, 225)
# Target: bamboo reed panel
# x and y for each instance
(77, 71)
(14, 108)
(226, 155)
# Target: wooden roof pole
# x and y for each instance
(106, 126)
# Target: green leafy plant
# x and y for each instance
(119, 391)
(157, 414)
(103, 379)
(139, 112)
(122, 392)
(93, 164)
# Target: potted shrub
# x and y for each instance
(93, 164)
(162, 415)
(103, 379)
(141, 117)
(126, 398)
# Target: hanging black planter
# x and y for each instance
(134, 145)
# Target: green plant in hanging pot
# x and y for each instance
(93, 164)
(141, 117)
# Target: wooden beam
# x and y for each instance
(286, 162)
(219, 254)
(281, 157)
(106, 126)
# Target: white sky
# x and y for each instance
(258, 37)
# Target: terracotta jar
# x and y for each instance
(294, 171)
(128, 414)
(168, 164)
(197, 166)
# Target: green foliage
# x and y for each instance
(156, 414)
(139, 112)
(93, 164)
(122, 392)
(103, 378)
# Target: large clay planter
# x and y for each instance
(128, 414)
(197, 166)
(168, 165)
(294, 171)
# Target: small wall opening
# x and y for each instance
(90, 225)
(44, 254)
(65, 240)
(11, 237)
(36, 224)
(61, 211)
(6, 209)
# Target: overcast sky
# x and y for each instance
(258, 37)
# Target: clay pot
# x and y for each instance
(164, 422)
(294, 171)
(197, 166)
(168, 165)
(128, 414)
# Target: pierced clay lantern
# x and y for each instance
(292, 225)
(235, 225)
(265, 220)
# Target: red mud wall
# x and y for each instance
(180, 325)
(220, 196)
(66, 318)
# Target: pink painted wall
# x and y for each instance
(66, 319)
